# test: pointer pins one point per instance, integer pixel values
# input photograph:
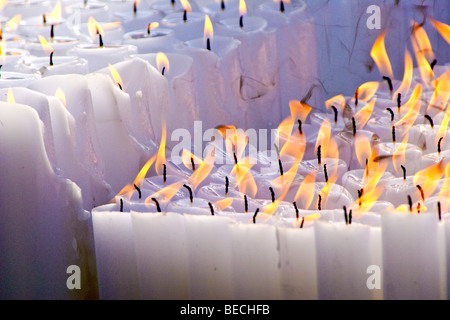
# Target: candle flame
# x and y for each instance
(116, 77)
(442, 28)
(13, 23)
(413, 107)
(244, 178)
(45, 45)
(363, 115)
(152, 26)
(367, 90)
(161, 156)
(3, 3)
(407, 77)
(442, 132)
(187, 158)
(186, 5)
(379, 55)
(419, 36)
(242, 8)
(305, 193)
(420, 45)
(94, 28)
(328, 145)
(162, 62)
(223, 203)
(166, 193)
(54, 17)
(208, 30)
(428, 178)
(10, 97)
(398, 156)
(336, 101)
(202, 171)
(61, 96)
(363, 148)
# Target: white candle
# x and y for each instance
(159, 40)
(10, 79)
(137, 20)
(54, 65)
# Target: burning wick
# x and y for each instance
(389, 81)
(52, 32)
(245, 203)
(356, 97)
(439, 210)
(325, 172)
(163, 70)
(303, 221)
(121, 205)
(51, 57)
(192, 163)
(272, 194)
(164, 173)
(85, 3)
(191, 196)
(148, 29)
(138, 190)
(391, 112)
(319, 202)
(433, 63)
(418, 207)
(296, 209)
(281, 6)
(319, 156)
(367, 167)
(208, 44)
(235, 158)
(439, 145)
(241, 22)
(100, 40)
(410, 203)
(300, 131)
(422, 195)
(211, 207)
(404, 172)
(354, 126)
(393, 134)
(360, 196)
(135, 8)
(335, 114)
(345, 215)
(227, 183)
(172, 2)
(429, 120)
(280, 165)
(0, 69)
(222, 5)
(254, 216)
(350, 213)
(185, 15)
(44, 19)
(399, 101)
(158, 208)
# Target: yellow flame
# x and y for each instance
(116, 76)
(55, 15)
(420, 37)
(13, 23)
(152, 26)
(244, 178)
(305, 192)
(407, 76)
(162, 62)
(308, 219)
(165, 193)
(363, 148)
(425, 70)
(208, 32)
(94, 28)
(442, 28)
(187, 157)
(299, 110)
(223, 203)
(3, 3)
(161, 156)
(45, 45)
(428, 178)
(379, 55)
(10, 97)
(338, 100)
(367, 90)
(442, 132)
(242, 8)
(186, 5)
(398, 156)
(441, 92)
(202, 171)
(235, 143)
(363, 115)
(413, 107)
(61, 96)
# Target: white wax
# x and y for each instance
(59, 44)
(336, 197)
(160, 39)
(185, 30)
(405, 154)
(397, 191)
(10, 57)
(81, 13)
(161, 254)
(10, 79)
(198, 206)
(115, 254)
(140, 20)
(426, 137)
(33, 26)
(26, 8)
(348, 146)
(61, 65)
(355, 180)
(336, 167)
(413, 246)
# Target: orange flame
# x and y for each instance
(363, 148)
(242, 8)
(413, 107)
(187, 158)
(162, 62)
(419, 44)
(45, 45)
(161, 156)
(367, 90)
(165, 193)
(379, 55)
(420, 37)
(442, 132)
(202, 171)
(299, 110)
(186, 5)
(428, 178)
(223, 203)
(208, 32)
(363, 115)
(336, 100)
(407, 76)
(398, 156)
(305, 193)
(442, 28)
(94, 28)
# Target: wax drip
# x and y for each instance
(193, 163)
(191, 196)
(393, 134)
(138, 190)
(433, 63)
(439, 145)
(335, 114)
(241, 22)
(100, 40)
(404, 172)
(280, 165)
(51, 57)
(121, 205)
(254, 216)
(296, 209)
(319, 202)
(399, 102)
(439, 210)
(208, 44)
(300, 131)
(429, 120)
(319, 155)
(303, 221)
(389, 81)
(345, 215)
(325, 172)
(211, 208)
(158, 208)
(281, 6)
(227, 183)
(272, 194)
(354, 126)
(410, 203)
(356, 97)
(185, 15)
(52, 32)
(391, 112)
(245, 203)
(222, 5)
(422, 195)
(164, 173)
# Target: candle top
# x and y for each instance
(158, 33)
(250, 24)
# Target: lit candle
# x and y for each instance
(135, 18)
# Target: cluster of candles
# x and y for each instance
(360, 184)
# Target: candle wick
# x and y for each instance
(319, 202)
(325, 172)
(44, 19)
(100, 40)
(433, 63)
(245, 203)
(164, 173)
(422, 195)
(173, 3)
(335, 114)
(356, 97)
(350, 216)
(138, 190)
(148, 29)
(303, 221)
(52, 32)
(241, 22)
(227, 182)
(319, 154)
(281, 6)
(185, 15)
(389, 81)
(392, 113)
(254, 216)
(430, 120)
(121, 205)
(163, 70)
(280, 165)
(410, 203)
(296, 209)
(345, 215)
(193, 163)
(367, 167)
(439, 145)
(222, 5)
(393, 134)
(135, 8)
(439, 210)
(418, 207)
(85, 3)
(272, 194)
(360, 196)
(208, 44)
(191, 196)
(235, 158)
(0, 69)
(399, 101)
(404, 172)
(158, 208)
(211, 208)
(51, 57)
(300, 131)
(354, 126)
